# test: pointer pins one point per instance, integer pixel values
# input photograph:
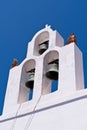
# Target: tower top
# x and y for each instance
(46, 56)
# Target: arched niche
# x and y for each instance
(48, 64)
(25, 91)
(41, 41)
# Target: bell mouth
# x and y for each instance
(52, 75)
(41, 51)
(29, 84)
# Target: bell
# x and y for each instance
(52, 73)
(43, 47)
(30, 82)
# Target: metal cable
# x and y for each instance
(31, 117)
(14, 121)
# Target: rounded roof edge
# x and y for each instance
(46, 29)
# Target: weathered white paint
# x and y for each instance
(64, 109)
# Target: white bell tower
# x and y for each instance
(30, 102)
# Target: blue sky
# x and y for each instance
(21, 19)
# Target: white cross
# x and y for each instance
(47, 26)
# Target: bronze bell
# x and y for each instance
(30, 82)
(52, 73)
(43, 47)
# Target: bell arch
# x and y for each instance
(27, 81)
(50, 72)
(41, 43)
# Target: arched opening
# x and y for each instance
(27, 81)
(41, 43)
(50, 72)
(54, 85)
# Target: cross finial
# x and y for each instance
(47, 26)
